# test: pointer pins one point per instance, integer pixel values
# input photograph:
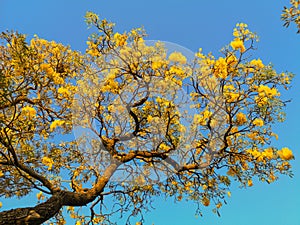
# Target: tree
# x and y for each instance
(146, 123)
(292, 14)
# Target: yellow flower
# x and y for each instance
(238, 44)
(232, 97)
(285, 154)
(0, 204)
(229, 194)
(231, 172)
(220, 68)
(258, 122)
(156, 65)
(40, 195)
(231, 60)
(261, 101)
(55, 124)
(29, 111)
(241, 118)
(177, 57)
(255, 153)
(164, 147)
(120, 39)
(48, 162)
(264, 90)
(149, 118)
(205, 201)
(250, 183)
(257, 63)
(47, 68)
(268, 153)
(63, 91)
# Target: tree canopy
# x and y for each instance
(146, 123)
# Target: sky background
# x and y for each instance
(192, 24)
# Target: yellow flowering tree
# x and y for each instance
(146, 123)
(291, 14)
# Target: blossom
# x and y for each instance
(63, 91)
(285, 154)
(205, 201)
(120, 39)
(258, 122)
(268, 153)
(231, 60)
(48, 162)
(219, 205)
(238, 44)
(40, 196)
(29, 111)
(257, 63)
(241, 118)
(220, 68)
(250, 183)
(177, 57)
(255, 153)
(47, 68)
(264, 90)
(55, 124)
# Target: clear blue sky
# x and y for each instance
(193, 24)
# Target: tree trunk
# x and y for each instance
(44, 211)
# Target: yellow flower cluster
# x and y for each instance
(29, 111)
(92, 49)
(120, 39)
(229, 93)
(238, 44)
(220, 68)
(205, 201)
(175, 70)
(257, 63)
(63, 91)
(56, 123)
(256, 137)
(241, 118)
(202, 118)
(285, 154)
(111, 86)
(264, 94)
(268, 153)
(177, 57)
(48, 162)
(241, 30)
(47, 68)
(157, 65)
(264, 90)
(258, 122)
(231, 60)
(57, 79)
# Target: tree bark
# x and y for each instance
(46, 210)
